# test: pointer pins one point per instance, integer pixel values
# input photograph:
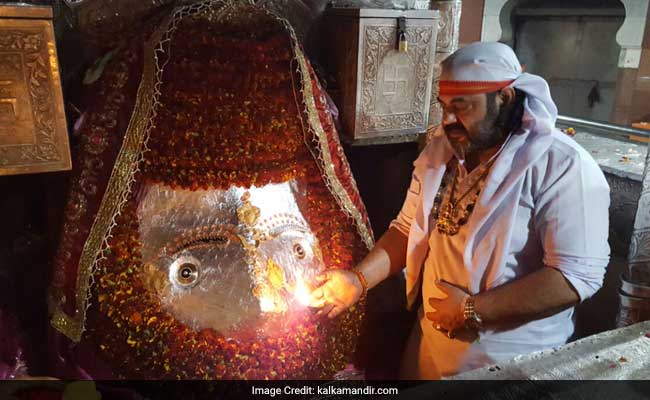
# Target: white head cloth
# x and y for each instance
(481, 63)
(543, 193)
(479, 68)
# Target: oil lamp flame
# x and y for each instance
(302, 293)
(275, 301)
(267, 304)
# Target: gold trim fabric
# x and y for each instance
(340, 194)
(116, 193)
(134, 144)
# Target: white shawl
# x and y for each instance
(490, 226)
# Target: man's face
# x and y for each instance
(470, 122)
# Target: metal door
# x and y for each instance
(574, 54)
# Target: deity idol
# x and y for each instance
(210, 190)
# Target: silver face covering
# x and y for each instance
(222, 258)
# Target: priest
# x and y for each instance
(503, 230)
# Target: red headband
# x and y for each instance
(463, 88)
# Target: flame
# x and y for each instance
(271, 301)
(302, 292)
(267, 304)
(272, 294)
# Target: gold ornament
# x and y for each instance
(275, 275)
(248, 214)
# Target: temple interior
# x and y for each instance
(141, 141)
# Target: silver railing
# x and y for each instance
(601, 128)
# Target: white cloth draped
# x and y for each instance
(540, 165)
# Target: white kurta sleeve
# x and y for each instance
(403, 220)
(572, 220)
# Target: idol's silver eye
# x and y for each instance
(184, 271)
(299, 251)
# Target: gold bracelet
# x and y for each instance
(364, 283)
(472, 319)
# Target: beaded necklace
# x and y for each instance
(448, 215)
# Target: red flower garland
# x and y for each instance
(218, 127)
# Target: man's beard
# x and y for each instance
(490, 132)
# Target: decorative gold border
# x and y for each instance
(27, 158)
(340, 194)
(26, 11)
(130, 154)
(116, 193)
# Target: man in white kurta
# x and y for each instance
(524, 238)
(560, 220)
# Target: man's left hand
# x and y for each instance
(448, 314)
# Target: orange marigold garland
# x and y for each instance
(219, 126)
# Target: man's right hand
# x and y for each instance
(340, 289)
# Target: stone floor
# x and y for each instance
(625, 159)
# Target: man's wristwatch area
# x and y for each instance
(472, 319)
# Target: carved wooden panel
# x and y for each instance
(384, 93)
(448, 38)
(33, 131)
(449, 31)
(396, 86)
